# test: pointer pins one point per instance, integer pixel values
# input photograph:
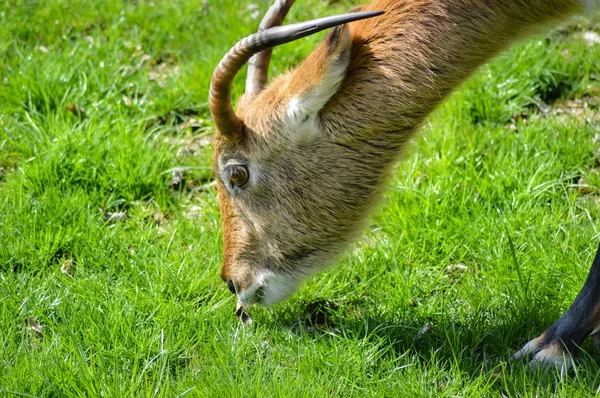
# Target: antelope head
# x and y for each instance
(291, 198)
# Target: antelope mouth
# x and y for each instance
(241, 308)
(242, 314)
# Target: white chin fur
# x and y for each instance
(277, 288)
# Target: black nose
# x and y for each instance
(231, 286)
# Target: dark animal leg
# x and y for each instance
(561, 341)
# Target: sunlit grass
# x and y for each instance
(105, 165)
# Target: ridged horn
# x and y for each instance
(258, 65)
(219, 100)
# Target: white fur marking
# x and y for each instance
(294, 108)
(308, 104)
(275, 288)
(278, 288)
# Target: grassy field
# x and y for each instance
(110, 232)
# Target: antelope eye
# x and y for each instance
(238, 175)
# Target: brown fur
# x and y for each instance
(319, 171)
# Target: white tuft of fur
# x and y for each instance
(306, 106)
(302, 110)
(295, 110)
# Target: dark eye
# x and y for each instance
(238, 175)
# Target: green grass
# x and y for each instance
(511, 160)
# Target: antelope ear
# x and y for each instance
(319, 77)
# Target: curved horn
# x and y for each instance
(219, 100)
(258, 65)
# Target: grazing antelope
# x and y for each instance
(303, 161)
